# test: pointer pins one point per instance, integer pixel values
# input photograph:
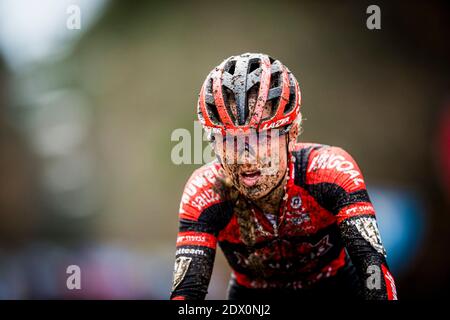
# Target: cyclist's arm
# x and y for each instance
(202, 216)
(363, 243)
(339, 179)
(194, 260)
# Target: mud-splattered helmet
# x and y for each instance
(223, 104)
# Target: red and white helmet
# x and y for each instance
(235, 77)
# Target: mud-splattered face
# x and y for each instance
(255, 162)
(254, 168)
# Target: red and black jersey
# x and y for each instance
(325, 223)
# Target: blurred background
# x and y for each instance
(86, 117)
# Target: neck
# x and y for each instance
(271, 202)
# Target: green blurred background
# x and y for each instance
(86, 118)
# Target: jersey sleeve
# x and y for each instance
(339, 183)
(201, 216)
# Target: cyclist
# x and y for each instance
(294, 220)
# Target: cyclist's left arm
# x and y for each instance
(341, 182)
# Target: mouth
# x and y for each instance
(250, 178)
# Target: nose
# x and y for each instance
(246, 154)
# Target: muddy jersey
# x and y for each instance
(326, 221)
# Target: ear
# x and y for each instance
(292, 136)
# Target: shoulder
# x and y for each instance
(319, 163)
(204, 177)
(199, 191)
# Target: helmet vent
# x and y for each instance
(288, 108)
(275, 80)
(270, 108)
(213, 113)
(253, 65)
(230, 103)
(230, 67)
(209, 86)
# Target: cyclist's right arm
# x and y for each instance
(194, 260)
(200, 208)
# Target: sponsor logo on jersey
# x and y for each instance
(180, 270)
(390, 284)
(337, 162)
(205, 198)
(360, 209)
(191, 238)
(195, 193)
(367, 227)
(296, 202)
(298, 219)
(199, 252)
(355, 210)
